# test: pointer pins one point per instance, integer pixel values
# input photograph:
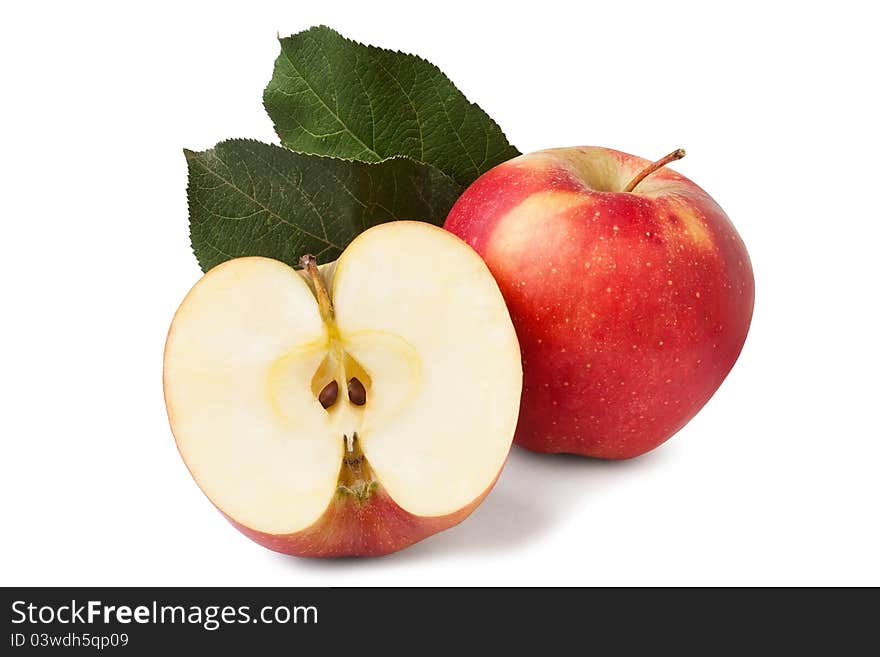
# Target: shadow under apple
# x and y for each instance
(534, 493)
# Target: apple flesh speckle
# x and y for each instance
(631, 307)
(323, 412)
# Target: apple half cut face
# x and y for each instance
(351, 409)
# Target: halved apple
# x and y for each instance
(351, 409)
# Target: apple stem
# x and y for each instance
(310, 264)
(651, 168)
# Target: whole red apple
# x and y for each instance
(630, 290)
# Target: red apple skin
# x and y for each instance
(352, 528)
(630, 308)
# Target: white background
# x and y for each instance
(777, 481)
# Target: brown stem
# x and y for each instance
(310, 264)
(651, 168)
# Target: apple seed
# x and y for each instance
(356, 392)
(328, 394)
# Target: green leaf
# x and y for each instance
(333, 96)
(247, 198)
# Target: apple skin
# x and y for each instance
(630, 308)
(351, 528)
